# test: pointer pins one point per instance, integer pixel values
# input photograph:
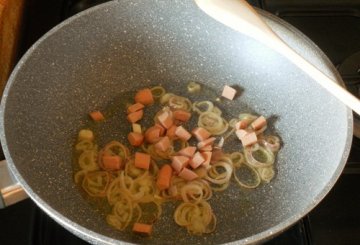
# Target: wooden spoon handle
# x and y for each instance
(240, 16)
(13, 194)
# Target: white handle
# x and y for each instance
(240, 16)
(11, 192)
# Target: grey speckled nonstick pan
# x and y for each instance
(92, 59)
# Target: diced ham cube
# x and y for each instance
(240, 133)
(228, 92)
(135, 107)
(164, 177)
(187, 151)
(200, 133)
(206, 142)
(152, 135)
(141, 228)
(135, 139)
(166, 119)
(207, 156)
(259, 123)
(206, 148)
(182, 133)
(142, 160)
(196, 160)
(97, 116)
(188, 174)
(162, 129)
(171, 132)
(144, 97)
(182, 115)
(179, 162)
(217, 154)
(163, 144)
(241, 124)
(249, 139)
(135, 116)
(111, 162)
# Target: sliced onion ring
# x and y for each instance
(157, 91)
(250, 159)
(213, 123)
(266, 174)
(203, 106)
(271, 142)
(257, 179)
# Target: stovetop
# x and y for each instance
(334, 25)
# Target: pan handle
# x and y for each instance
(11, 191)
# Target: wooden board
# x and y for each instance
(11, 13)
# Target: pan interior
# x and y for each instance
(91, 60)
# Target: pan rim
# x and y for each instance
(94, 237)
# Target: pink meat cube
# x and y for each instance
(228, 92)
(249, 139)
(196, 160)
(188, 174)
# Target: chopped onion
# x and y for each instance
(203, 106)
(179, 103)
(115, 193)
(165, 98)
(115, 148)
(237, 158)
(233, 122)
(197, 218)
(132, 192)
(267, 155)
(216, 110)
(193, 87)
(214, 176)
(157, 91)
(249, 118)
(78, 177)
(87, 160)
(270, 142)
(242, 183)
(266, 174)
(96, 183)
(122, 213)
(195, 191)
(213, 123)
(84, 145)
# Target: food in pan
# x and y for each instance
(181, 157)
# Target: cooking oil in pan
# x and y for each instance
(116, 127)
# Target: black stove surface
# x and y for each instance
(334, 25)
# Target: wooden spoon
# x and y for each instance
(240, 16)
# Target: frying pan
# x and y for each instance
(93, 59)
